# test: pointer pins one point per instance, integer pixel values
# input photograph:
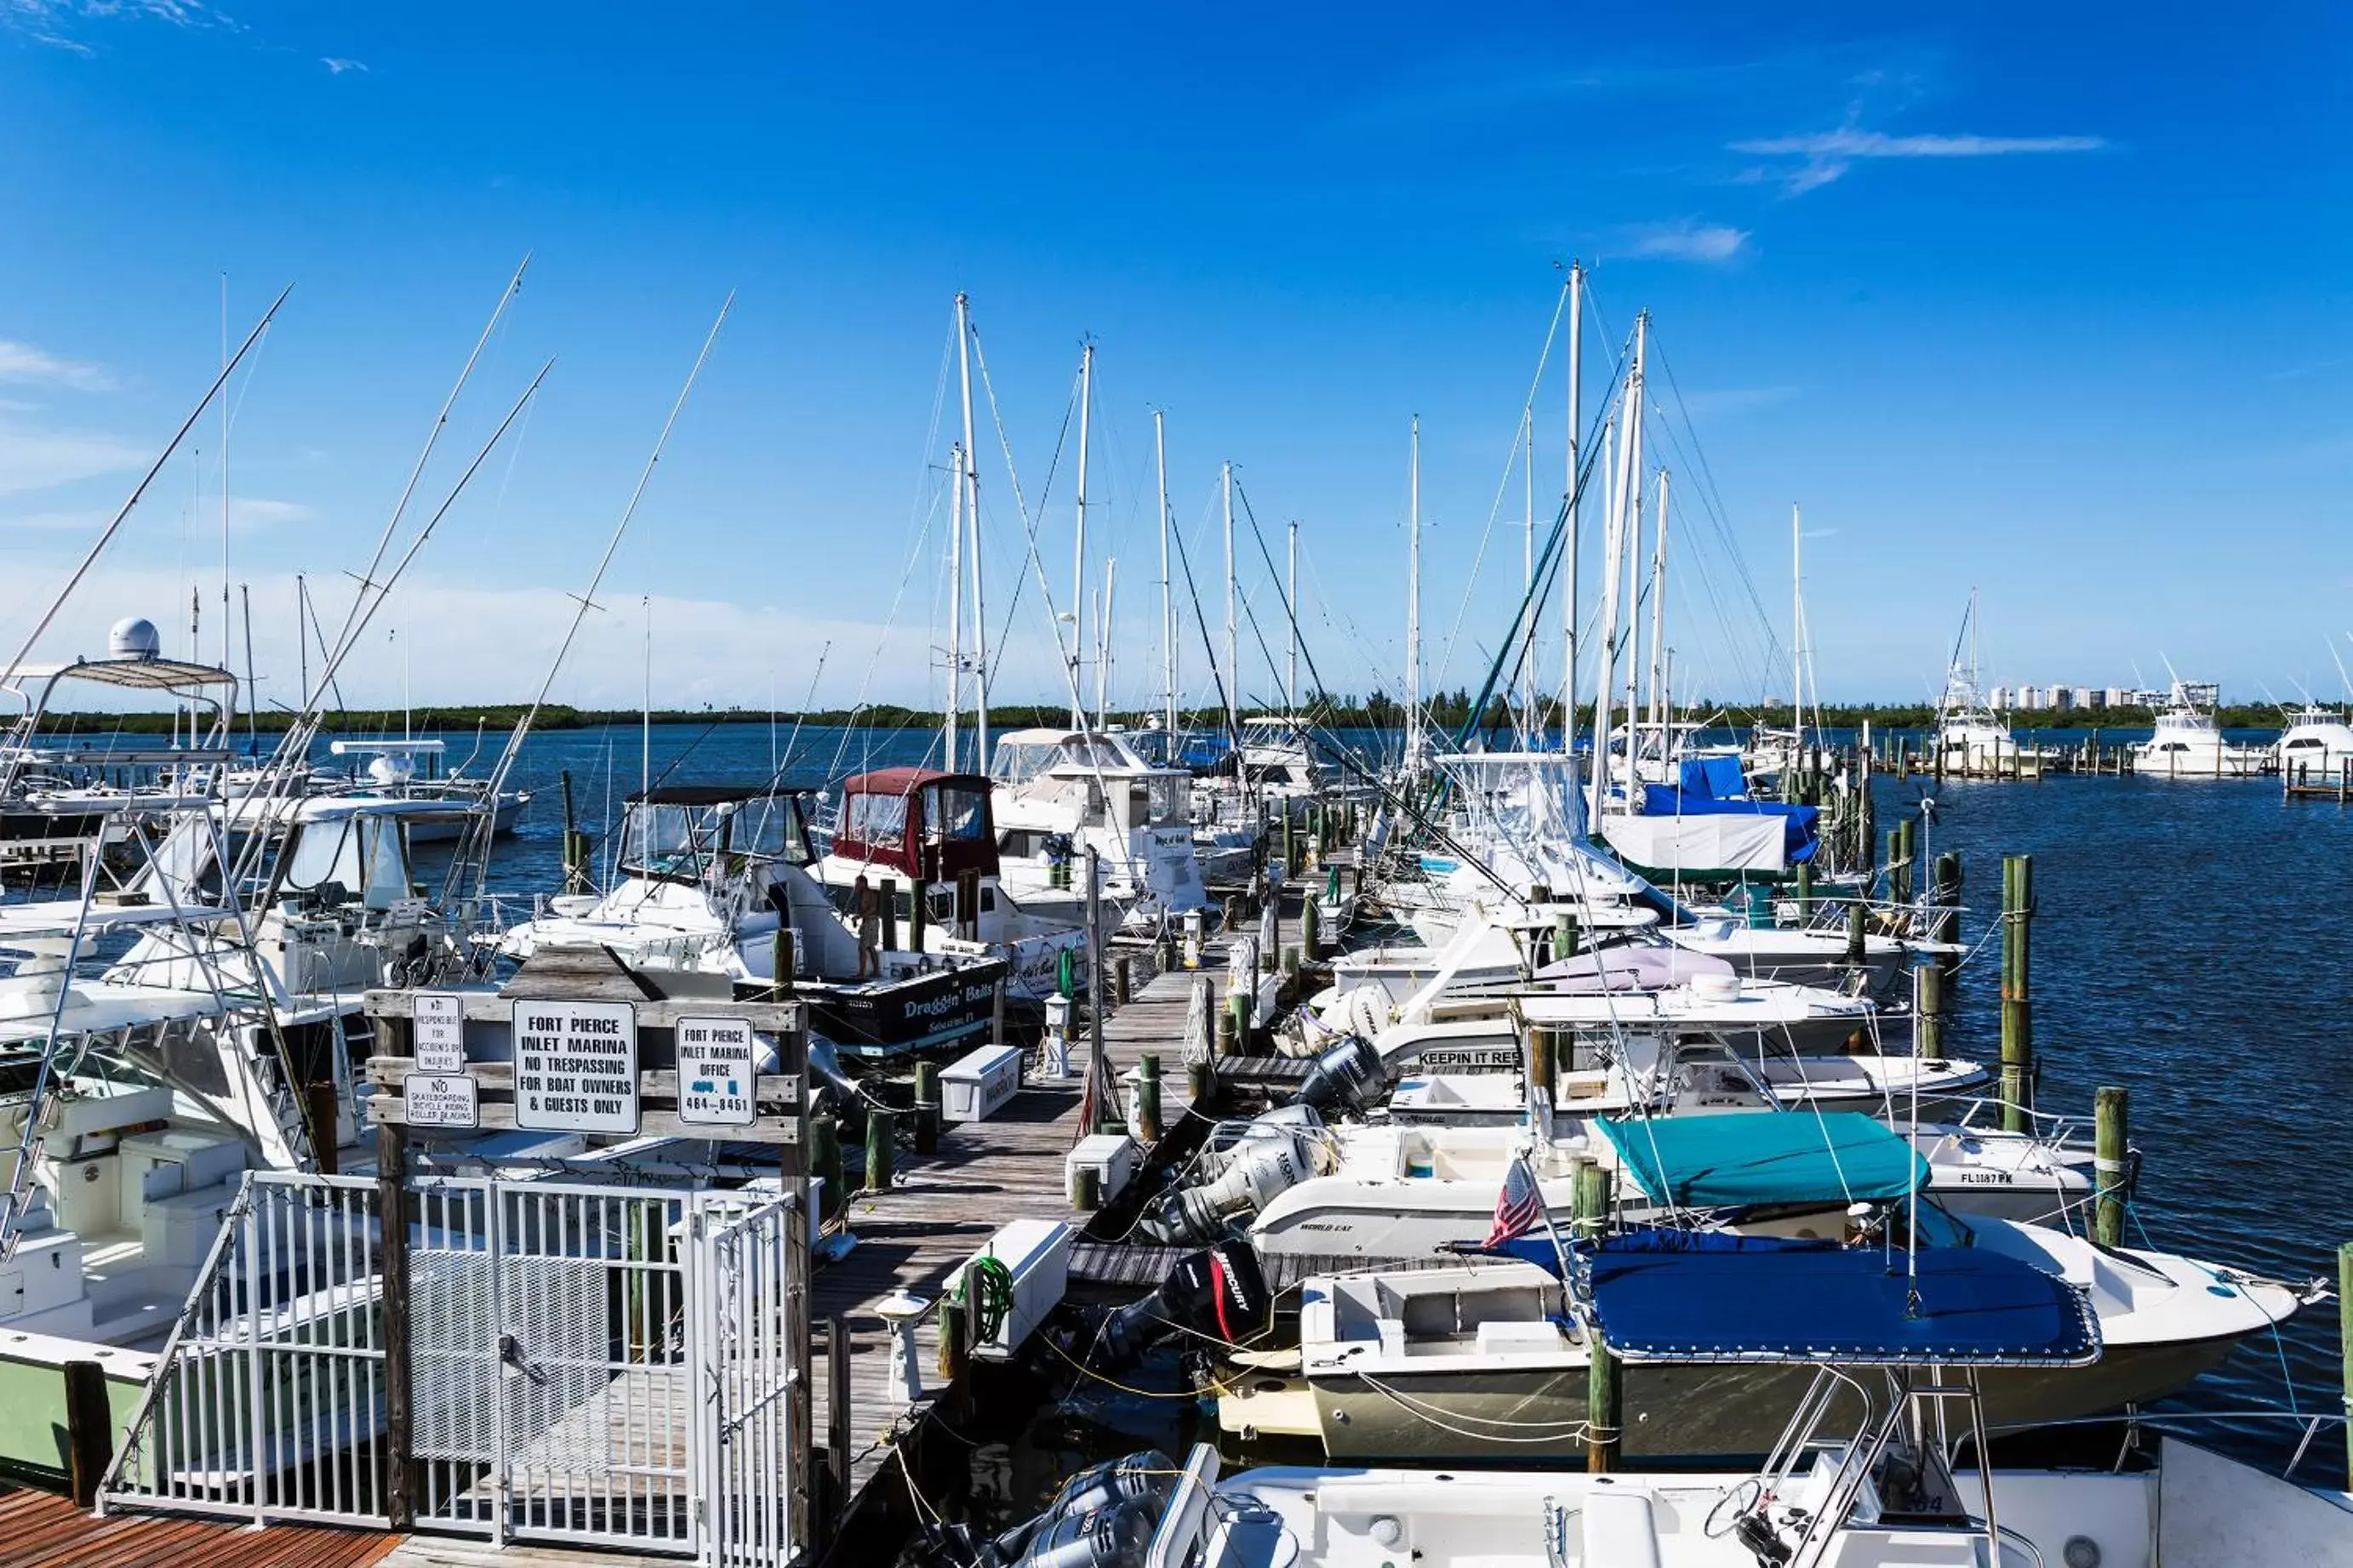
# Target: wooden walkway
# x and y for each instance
(945, 1207)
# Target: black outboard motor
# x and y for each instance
(1349, 1078)
(1217, 1293)
(1102, 1518)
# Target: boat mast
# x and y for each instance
(970, 478)
(1167, 596)
(1658, 621)
(955, 613)
(1079, 546)
(1575, 502)
(1604, 673)
(224, 469)
(1413, 607)
(1233, 671)
(1528, 568)
(1291, 685)
(1103, 645)
(1797, 631)
(1631, 456)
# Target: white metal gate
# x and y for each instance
(598, 1365)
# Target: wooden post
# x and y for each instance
(1945, 925)
(89, 1431)
(1544, 1062)
(2112, 1124)
(2017, 988)
(996, 1014)
(881, 1148)
(887, 894)
(1221, 1042)
(1311, 920)
(1604, 1402)
(950, 1357)
(1240, 1006)
(1856, 949)
(1200, 1080)
(919, 912)
(325, 1112)
(927, 1107)
(1289, 971)
(825, 1162)
(784, 963)
(1147, 1098)
(1123, 980)
(1086, 1189)
(1805, 893)
(837, 1426)
(576, 845)
(1563, 935)
(392, 1218)
(1098, 1063)
(1928, 1011)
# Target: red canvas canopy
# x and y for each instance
(921, 824)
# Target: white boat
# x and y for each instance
(1059, 793)
(1485, 1360)
(391, 771)
(2188, 744)
(2316, 745)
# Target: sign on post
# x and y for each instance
(439, 1029)
(715, 1065)
(575, 1067)
(440, 1100)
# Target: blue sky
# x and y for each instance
(2050, 303)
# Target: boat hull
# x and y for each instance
(922, 1013)
(1689, 1411)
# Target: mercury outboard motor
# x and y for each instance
(1102, 1518)
(1217, 1293)
(1348, 1078)
(1273, 1154)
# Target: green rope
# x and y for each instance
(988, 1296)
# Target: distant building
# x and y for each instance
(2094, 697)
(1998, 700)
(2118, 696)
(2030, 699)
(2063, 697)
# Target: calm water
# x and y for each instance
(2194, 944)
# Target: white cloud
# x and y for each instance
(1826, 155)
(50, 21)
(1688, 241)
(23, 363)
(337, 65)
(41, 459)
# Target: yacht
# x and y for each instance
(2316, 745)
(392, 770)
(1057, 794)
(2189, 745)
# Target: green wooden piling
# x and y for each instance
(2111, 1123)
(1855, 947)
(1240, 1006)
(1311, 921)
(2017, 988)
(1544, 1061)
(951, 1350)
(1147, 1098)
(1604, 1402)
(1123, 980)
(1563, 935)
(1929, 1010)
(1945, 925)
(1086, 1188)
(825, 1160)
(1200, 1078)
(881, 1148)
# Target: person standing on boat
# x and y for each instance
(868, 908)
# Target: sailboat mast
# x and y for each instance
(1605, 672)
(1630, 455)
(1797, 628)
(1659, 620)
(1079, 546)
(1103, 645)
(1291, 687)
(970, 478)
(956, 613)
(1576, 505)
(1528, 567)
(1168, 592)
(1413, 606)
(1233, 670)
(224, 469)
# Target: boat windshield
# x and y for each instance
(361, 854)
(964, 813)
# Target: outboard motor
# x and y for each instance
(1102, 1518)
(1270, 1157)
(824, 1065)
(1218, 1294)
(1348, 1078)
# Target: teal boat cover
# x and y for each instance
(1764, 1157)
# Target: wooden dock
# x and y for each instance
(942, 1208)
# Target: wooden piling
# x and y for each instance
(1086, 1188)
(825, 1162)
(784, 963)
(1856, 948)
(837, 1424)
(927, 1107)
(1544, 1062)
(2017, 984)
(1928, 1011)
(320, 1120)
(1241, 1008)
(1805, 893)
(1945, 925)
(881, 1148)
(1311, 921)
(887, 894)
(1122, 979)
(399, 1479)
(1604, 1403)
(1563, 935)
(89, 1431)
(1147, 1099)
(2111, 1123)
(949, 1358)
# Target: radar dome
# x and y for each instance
(134, 638)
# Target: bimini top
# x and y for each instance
(1764, 1157)
(921, 824)
(1707, 1296)
(138, 674)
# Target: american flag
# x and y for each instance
(1518, 1207)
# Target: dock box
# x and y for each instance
(978, 1086)
(1037, 1255)
(1110, 1155)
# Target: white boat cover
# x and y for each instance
(1714, 842)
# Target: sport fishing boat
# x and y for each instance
(710, 877)
(1485, 1360)
(2317, 742)
(1056, 793)
(391, 771)
(2188, 744)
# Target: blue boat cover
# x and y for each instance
(1764, 1157)
(1800, 824)
(1706, 1296)
(1719, 778)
